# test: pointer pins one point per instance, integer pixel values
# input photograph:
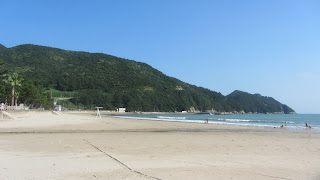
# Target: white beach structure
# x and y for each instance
(98, 112)
(121, 110)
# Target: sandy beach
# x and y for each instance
(77, 145)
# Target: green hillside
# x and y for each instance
(257, 103)
(2, 48)
(104, 80)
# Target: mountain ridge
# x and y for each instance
(2, 48)
(110, 81)
(257, 102)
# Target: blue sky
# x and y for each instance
(270, 47)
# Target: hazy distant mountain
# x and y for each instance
(104, 80)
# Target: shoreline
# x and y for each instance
(77, 145)
(170, 119)
(105, 113)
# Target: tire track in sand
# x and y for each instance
(121, 163)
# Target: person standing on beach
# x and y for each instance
(2, 107)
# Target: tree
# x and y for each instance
(16, 96)
(34, 95)
(14, 80)
(3, 70)
(3, 86)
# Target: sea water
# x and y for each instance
(289, 121)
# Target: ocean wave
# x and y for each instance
(291, 125)
(168, 117)
(239, 120)
(235, 120)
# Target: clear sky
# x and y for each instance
(270, 47)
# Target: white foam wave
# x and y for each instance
(168, 117)
(236, 120)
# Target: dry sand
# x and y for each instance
(43, 145)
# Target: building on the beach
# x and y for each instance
(121, 110)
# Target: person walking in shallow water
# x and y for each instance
(307, 125)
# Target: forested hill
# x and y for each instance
(257, 103)
(2, 48)
(103, 80)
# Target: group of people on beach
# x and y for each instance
(3, 106)
(307, 125)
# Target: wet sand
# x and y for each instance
(76, 145)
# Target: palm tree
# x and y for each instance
(16, 96)
(14, 80)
